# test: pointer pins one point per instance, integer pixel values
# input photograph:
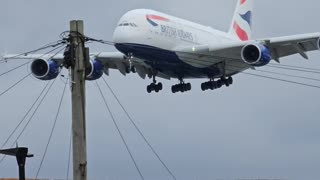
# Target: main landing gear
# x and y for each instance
(182, 87)
(216, 84)
(154, 86)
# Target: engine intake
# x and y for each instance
(44, 70)
(318, 43)
(256, 55)
(94, 71)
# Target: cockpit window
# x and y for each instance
(128, 24)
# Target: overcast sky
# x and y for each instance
(257, 128)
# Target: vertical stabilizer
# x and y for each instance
(241, 26)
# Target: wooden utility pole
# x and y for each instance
(78, 100)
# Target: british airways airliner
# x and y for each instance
(157, 45)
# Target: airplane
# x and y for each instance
(156, 45)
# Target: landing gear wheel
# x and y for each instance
(159, 86)
(230, 80)
(203, 87)
(174, 89)
(154, 87)
(219, 83)
(149, 90)
(212, 85)
(181, 88)
(133, 69)
(189, 87)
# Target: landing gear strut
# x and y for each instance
(216, 84)
(154, 86)
(182, 87)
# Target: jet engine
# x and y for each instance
(318, 43)
(94, 71)
(44, 70)
(256, 55)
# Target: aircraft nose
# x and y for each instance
(127, 35)
(121, 35)
(116, 36)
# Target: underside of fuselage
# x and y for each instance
(167, 62)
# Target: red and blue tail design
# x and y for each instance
(241, 26)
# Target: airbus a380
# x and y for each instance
(155, 44)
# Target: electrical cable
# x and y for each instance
(29, 120)
(278, 79)
(285, 65)
(288, 75)
(54, 44)
(2, 159)
(294, 69)
(26, 76)
(14, 69)
(24, 117)
(139, 131)
(120, 133)
(52, 130)
(34, 112)
(283, 80)
(15, 84)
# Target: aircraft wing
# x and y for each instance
(110, 60)
(230, 53)
(290, 45)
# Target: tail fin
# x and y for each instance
(242, 20)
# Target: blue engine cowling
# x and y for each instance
(94, 70)
(44, 70)
(256, 54)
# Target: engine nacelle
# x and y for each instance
(318, 43)
(256, 55)
(94, 70)
(44, 70)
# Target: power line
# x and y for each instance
(54, 44)
(24, 117)
(27, 75)
(34, 112)
(120, 133)
(288, 75)
(139, 131)
(278, 79)
(52, 130)
(15, 84)
(29, 120)
(285, 65)
(283, 80)
(14, 69)
(295, 69)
